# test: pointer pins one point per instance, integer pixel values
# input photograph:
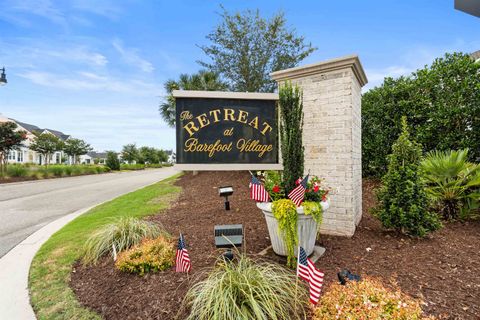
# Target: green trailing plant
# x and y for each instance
(403, 203)
(314, 209)
(285, 211)
(152, 255)
(291, 128)
(452, 182)
(244, 289)
(121, 234)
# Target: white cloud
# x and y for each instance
(92, 82)
(131, 57)
(106, 8)
(41, 8)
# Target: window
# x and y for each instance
(20, 156)
(57, 156)
(11, 155)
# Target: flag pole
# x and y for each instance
(296, 278)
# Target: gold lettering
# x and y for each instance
(202, 120)
(254, 123)
(242, 116)
(267, 127)
(215, 114)
(229, 113)
(191, 128)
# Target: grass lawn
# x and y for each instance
(50, 294)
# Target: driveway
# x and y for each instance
(27, 206)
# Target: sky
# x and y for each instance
(95, 69)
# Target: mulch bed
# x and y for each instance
(442, 270)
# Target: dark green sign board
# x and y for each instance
(228, 131)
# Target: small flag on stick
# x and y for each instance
(298, 194)
(257, 191)
(182, 261)
(307, 271)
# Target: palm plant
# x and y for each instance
(203, 80)
(452, 182)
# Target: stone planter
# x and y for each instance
(306, 226)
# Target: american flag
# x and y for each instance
(182, 261)
(297, 194)
(308, 272)
(257, 191)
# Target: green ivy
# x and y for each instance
(285, 211)
(313, 209)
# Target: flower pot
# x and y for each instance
(306, 227)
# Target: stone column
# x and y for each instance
(332, 134)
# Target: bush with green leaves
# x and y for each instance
(441, 103)
(152, 255)
(112, 161)
(121, 234)
(452, 182)
(403, 202)
(244, 289)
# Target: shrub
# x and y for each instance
(291, 127)
(245, 290)
(441, 102)
(112, 161)
(123, 234)
(403, 203)
(367, 299)
(132, 166)
(57, 170)
(149, 256)
(452, 182)
(15, 170)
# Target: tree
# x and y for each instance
(441, 103)
(130, 153)
(46, 145)
(203, 81)
(76, 147)
(403, 203)
(10, 139)
(148, 155)
(162, 156)
(245, 48)
(112, 161)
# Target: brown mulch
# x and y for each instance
(442, 270)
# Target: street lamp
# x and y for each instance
(3, 77)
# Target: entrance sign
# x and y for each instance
(226, 130)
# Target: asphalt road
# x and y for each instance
(25, 207)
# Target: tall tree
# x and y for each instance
(10, 139)
(203, 80)
(162, 155)
(75, 148)
(148, 155)
(245, 48)
(46, 145)
(130, 153)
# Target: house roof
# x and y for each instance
(26, 126)
(475, 55)
(59, 134)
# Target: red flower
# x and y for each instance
(316, 188)
(276, 189)
(298, 181)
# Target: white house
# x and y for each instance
(25, 155)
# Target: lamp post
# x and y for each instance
(3, 77)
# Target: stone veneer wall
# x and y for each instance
(332, 134)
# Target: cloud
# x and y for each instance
(41, 8)
(131, 57)
(92, 82)
(106, 8)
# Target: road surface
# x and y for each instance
(25, 207)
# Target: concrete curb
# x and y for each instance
(15, 265)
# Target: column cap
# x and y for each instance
(351, 61)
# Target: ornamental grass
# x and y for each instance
(367, 299)
(152, 255)
(243, 289)
(121, 234)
